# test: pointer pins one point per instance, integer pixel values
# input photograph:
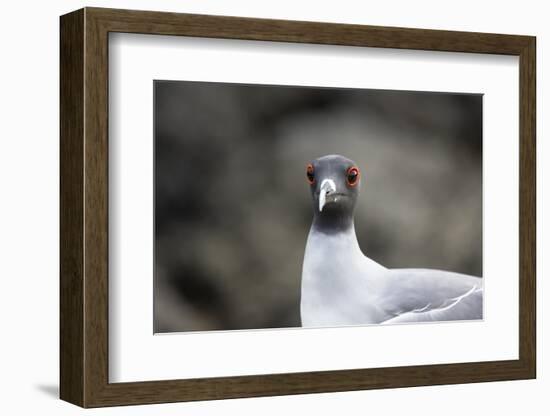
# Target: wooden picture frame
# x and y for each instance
(84, 207)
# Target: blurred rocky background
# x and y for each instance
(233, 209)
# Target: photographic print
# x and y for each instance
(293, 206)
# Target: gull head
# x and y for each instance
(334, 182)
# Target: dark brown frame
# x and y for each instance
(84, 213)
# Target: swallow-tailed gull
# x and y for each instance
(342, 286)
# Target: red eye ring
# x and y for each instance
(352, 176)
(310, 174)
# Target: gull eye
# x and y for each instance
(352, 176)
(310, 174)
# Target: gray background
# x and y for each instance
(233, 209)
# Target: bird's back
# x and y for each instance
(422, 295)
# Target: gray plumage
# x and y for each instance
(342, 286)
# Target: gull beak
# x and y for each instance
(327, 187)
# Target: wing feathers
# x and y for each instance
(416, 295)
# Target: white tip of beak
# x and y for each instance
(327, 186)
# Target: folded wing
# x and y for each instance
(422, 295)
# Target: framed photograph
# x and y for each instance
(255, 207)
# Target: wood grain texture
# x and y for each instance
(162, 23)
(84, 207)
(527, 208)
(72, 215)
(96, 227)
